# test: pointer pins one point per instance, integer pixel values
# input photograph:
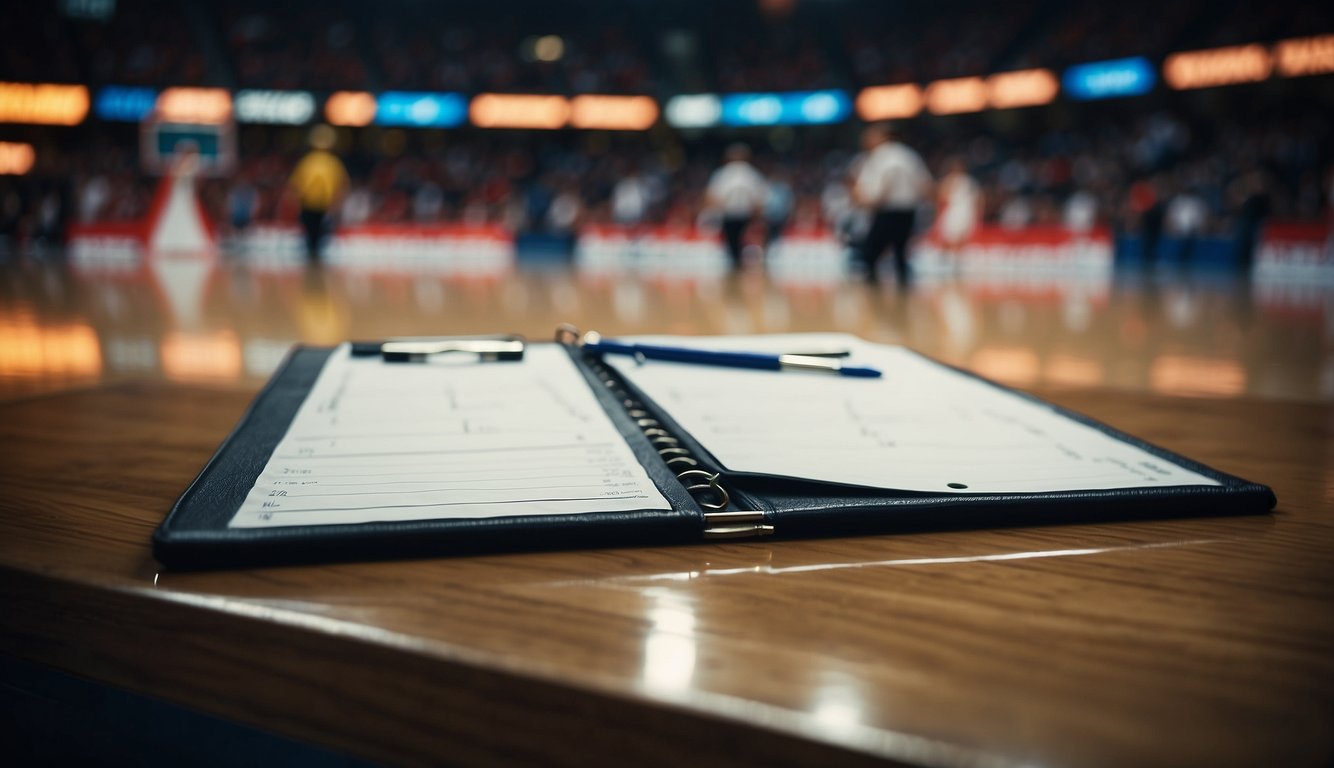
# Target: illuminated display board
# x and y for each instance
(1024, 88)
(124, 104)
(613, 113)
(794, 108)
(1305, 56)
(956, 95)
(201, 106)
(421, 110)
(698, 110)
(1109, 79)
(1217, 66)
(499, 110)
(43, 103)
(274, 107)
(351, 108)
(889, 102)
(16, 158)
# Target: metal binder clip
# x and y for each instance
(422, 349)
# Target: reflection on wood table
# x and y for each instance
(1205, 641)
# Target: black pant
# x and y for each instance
(889, 229)
(1246, 238)
(313, 223)
(734, 231)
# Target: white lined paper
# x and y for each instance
(377, 442)
(922, 427)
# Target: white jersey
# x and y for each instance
(1186, 215)
(893, 177)
(960, 208)
(739, 189)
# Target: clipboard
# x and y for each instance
(707, 502)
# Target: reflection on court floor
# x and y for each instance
(106, 314)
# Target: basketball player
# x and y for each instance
(320, 181)
(739, 192)
(891, 183)
(960, 206)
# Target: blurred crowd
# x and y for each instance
(1161, 162)
(597, 45)
(1156, 173)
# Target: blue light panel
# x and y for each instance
(1109, 79)
(421, 110)
(794, 108)
(124, 104)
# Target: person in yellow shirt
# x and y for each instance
(319, 181)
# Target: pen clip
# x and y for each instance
(828, 361)
(487, 348)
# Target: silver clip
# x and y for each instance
(738, 531)
(421, 349)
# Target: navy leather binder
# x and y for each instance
(707, 501)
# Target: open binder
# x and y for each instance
(697, 496)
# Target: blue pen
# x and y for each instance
(759, 360)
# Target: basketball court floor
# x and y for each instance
(229, 321)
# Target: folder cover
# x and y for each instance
(701, 498)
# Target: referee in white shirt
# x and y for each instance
(739, 192)
(892, 182)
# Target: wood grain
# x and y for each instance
(1204, 641)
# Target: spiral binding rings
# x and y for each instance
(710, 484)
(700, 483)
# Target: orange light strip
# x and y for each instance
(1023, 88)
(28, 349)
(16, 158)
(1305, 56)
(613, 113)
(889, 102)
(1069, 370)
(43, 103)
(201, 356)
(1196, 376)
(1217, 66)
(1012, 365)
(497, 110)
(350, 108)
(202, 106)
(960, 94)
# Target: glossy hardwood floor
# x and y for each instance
(219, 321)
(1206, 641)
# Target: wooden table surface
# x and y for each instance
(1206, 641)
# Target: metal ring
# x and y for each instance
(652, 431)
(689, 462)
(673, 452)
(664, 440)
(724, 498)
(709, 477)
(567, 333)
(638, 413)
(632, 403)
(647, 422)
